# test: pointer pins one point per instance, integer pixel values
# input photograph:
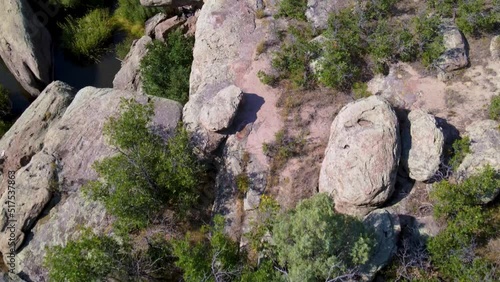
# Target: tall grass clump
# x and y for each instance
(86, 37)
(131, 15)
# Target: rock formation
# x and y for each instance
(422, 145)
(217, 53)
(386, 227)
(485, 147)
(362, 156)
(25, 46)
(455, 56)
(61, 165)
(218, 114)
(129, 76)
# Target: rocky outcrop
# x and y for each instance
(495, 47)
(422, 145)
(129, 76)
(170, 3)
(167, 26)
(485, 150)
(386, 229)
(455, 55)
(362, 156)
(318, 11)
(56, 209)
(217, 59)
(219, 112)
(26, 137)
(151, 23)
(25, 46)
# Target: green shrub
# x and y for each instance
(429, 38)
(378, 9)
(453, 250)
(360, 90)
(165, 70)
(494, 108)
(131, 15)
(344, 48)
(196, 259)
(451, 198)
(147, 174)
(472, 17)
(407, 48)
(295, 9)
(381, 45)
(86, 37)
(267, 79)
(311, 239)
(90, 258)
(295, 55)
(461, 148)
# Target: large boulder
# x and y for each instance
(170, 3)
(218, 113)
(129, 76)
(485, 150)
(361, 159)
(221, 54)
(422, 145)
(25, 46)
(386, 229)
(63, 165)
(26, 136)
(455, 56)
(318, 11)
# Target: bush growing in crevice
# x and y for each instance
(494, 108)
(165, 70)
(294, 9)
(461, 148)
(147, 175)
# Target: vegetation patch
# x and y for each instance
(165, 70)
(454, 251)
(461, 148)
(494, 109)
(147, 175)
(86, 37)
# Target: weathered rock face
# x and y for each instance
(362, 156)
(25, 46)
(64, 164)
(318, 11)
(422, 145)
(152, 23)
(387, 228)
(170, 3)
(455, 56)
(129, 76)
(218, 113)
(25, 138)
(485, 146)
(217, 59)
(495, 47)
(167, 26)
